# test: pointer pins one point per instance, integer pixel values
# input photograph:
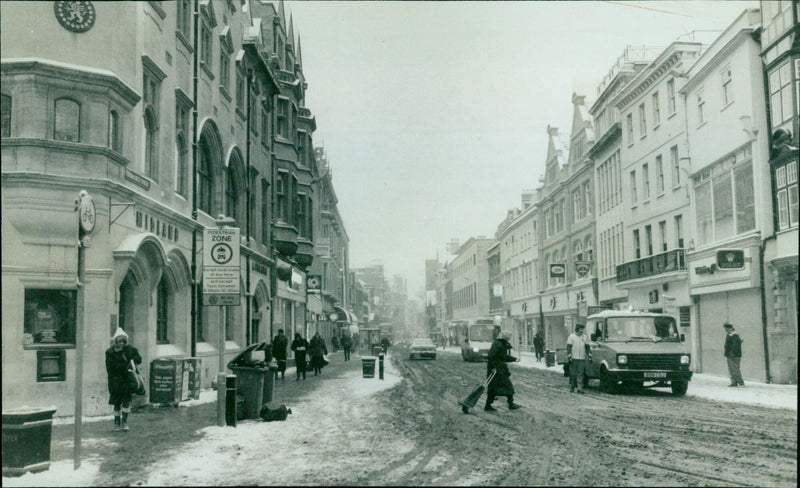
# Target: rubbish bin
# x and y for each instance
(255, 375)
(26, 440)
(368, 367)
(550, 358)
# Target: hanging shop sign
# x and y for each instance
(75, 16)
(582, 268)
(557, 270)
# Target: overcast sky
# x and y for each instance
(434, 114)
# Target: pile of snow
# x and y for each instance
(325, 430)
(61, 473)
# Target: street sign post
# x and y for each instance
(221, 287)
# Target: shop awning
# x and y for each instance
(341, 315)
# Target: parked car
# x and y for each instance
(634, 348)
(422, 347)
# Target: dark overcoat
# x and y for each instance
(117, 366)
(300, 346)
(279, 345)
(499, 355)
(318, 350)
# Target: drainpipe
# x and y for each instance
(761, 271)
(248, 322)
(193, 313)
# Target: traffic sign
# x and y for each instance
(221, 274)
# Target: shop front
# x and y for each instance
(725, 286)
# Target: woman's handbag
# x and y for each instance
(136, 380)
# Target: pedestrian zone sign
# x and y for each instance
(221, 266)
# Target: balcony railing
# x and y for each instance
(666, 262)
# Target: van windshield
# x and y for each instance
(624, 329)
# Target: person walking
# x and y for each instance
(385, 345)
(318, 351)
(118, 367)
(576, 352)
(733, 353)
(499, 355)
(299, 346)
(538, 346)
(279, 345)
(347, 343)
(335, 343)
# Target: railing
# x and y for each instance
(666, 262)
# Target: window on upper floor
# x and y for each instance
(671, 97)
(559, 215)
(656, 110)
(225, 70)
(281, 195)
(6, 116)
(264, 126)
(265, 217)
(183, 19)
(282, 118)
(114, 135)
(701, 103)
(205, 177)
(629, 125)
(780, 96)
(637, 250)
(659, 175)
(67, 120)
(727, 90)
(787, 198)
(634, 197)
(679, 231)
(206, 45)
(642, 121)
(151, 86)
(645, 182)
(241, 91)
(662, 234)
(725, 200)
(181, 165)
(150, 144)
(648, 236)
(577, 205)
(676, 166)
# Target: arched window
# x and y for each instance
(205, 178)
(150, 144)
(232, 191)
(67, 126)
(6, 116)
(578, 251)
(162, 312)
(113, 131)
(181, 165)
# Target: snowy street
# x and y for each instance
(408, 430)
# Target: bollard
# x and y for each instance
(380, 366)
(230, 400)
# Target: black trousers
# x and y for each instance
(347, 354)
(490, 397)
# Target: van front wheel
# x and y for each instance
(606, 383)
